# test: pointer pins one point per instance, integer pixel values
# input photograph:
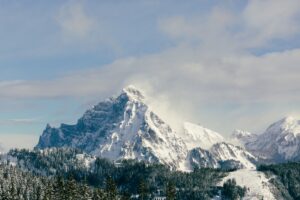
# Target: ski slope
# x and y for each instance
(257, 183)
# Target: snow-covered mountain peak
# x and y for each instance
(289, 119)
(280, 142)
(133, 93)
(120, 128)
(240, 134)
(198, 136)
(286, 125)
(125, 127)
(242, 137)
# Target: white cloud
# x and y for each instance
(19, 121)
(212, 31)
(209, 70)
(74, 21)
(271, 19)
(185, 81)
(12, 140)
(256, 25)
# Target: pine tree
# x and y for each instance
(171, 191)
(12, 190)
(71, 191)
(85, 192)
(232, 191)
(111, 189)
(125, 196)
(143, 190)
(4, 194)
(38, 193)
(59, 188)
(98, 194)
(48, 193)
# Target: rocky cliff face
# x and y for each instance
(222, 155)
(125, 127)
(120, 128)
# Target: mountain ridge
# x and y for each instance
(280, 142)
(125, 127)
(120, 128)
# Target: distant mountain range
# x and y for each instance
(126, 127)
(279, 143)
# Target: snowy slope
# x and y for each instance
(120, 128)
(225, 151)
(241, 137)
(200, 158)
(125, 127)
(222, 155)
(257, 183)
(280, 142)
(198, 136)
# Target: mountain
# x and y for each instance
(120, 128)
(125, 127)
(198, 136)
(242, 138)
(199, 158)
(280, 142)
(2, 149)
(222, 155)
(229, 152)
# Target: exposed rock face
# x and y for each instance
(202, 158)
(226, 152)
(222, 155)
(125, 127)
(120, 128)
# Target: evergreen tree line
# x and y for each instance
(64, 174)
(286, 179)
(16, 184)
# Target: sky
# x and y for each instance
(223, 64)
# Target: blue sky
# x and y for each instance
(224, 64)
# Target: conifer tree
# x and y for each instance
(48, 193)
(111, 189)
(85, 192)
(98, 194)
(12, 190)
(38, 193)
(4, 194)
(71, 191)
(59, 188)
(125, 196)
(171, 191)
(143, 190)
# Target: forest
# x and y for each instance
(285, 177)
(61, 174)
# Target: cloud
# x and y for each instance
(208, 76)
(214, 31)
(14, 122)
(183, 81)
(271, 19)
(240, 78)
(255, 25)
(13, 140)
(74, 21)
